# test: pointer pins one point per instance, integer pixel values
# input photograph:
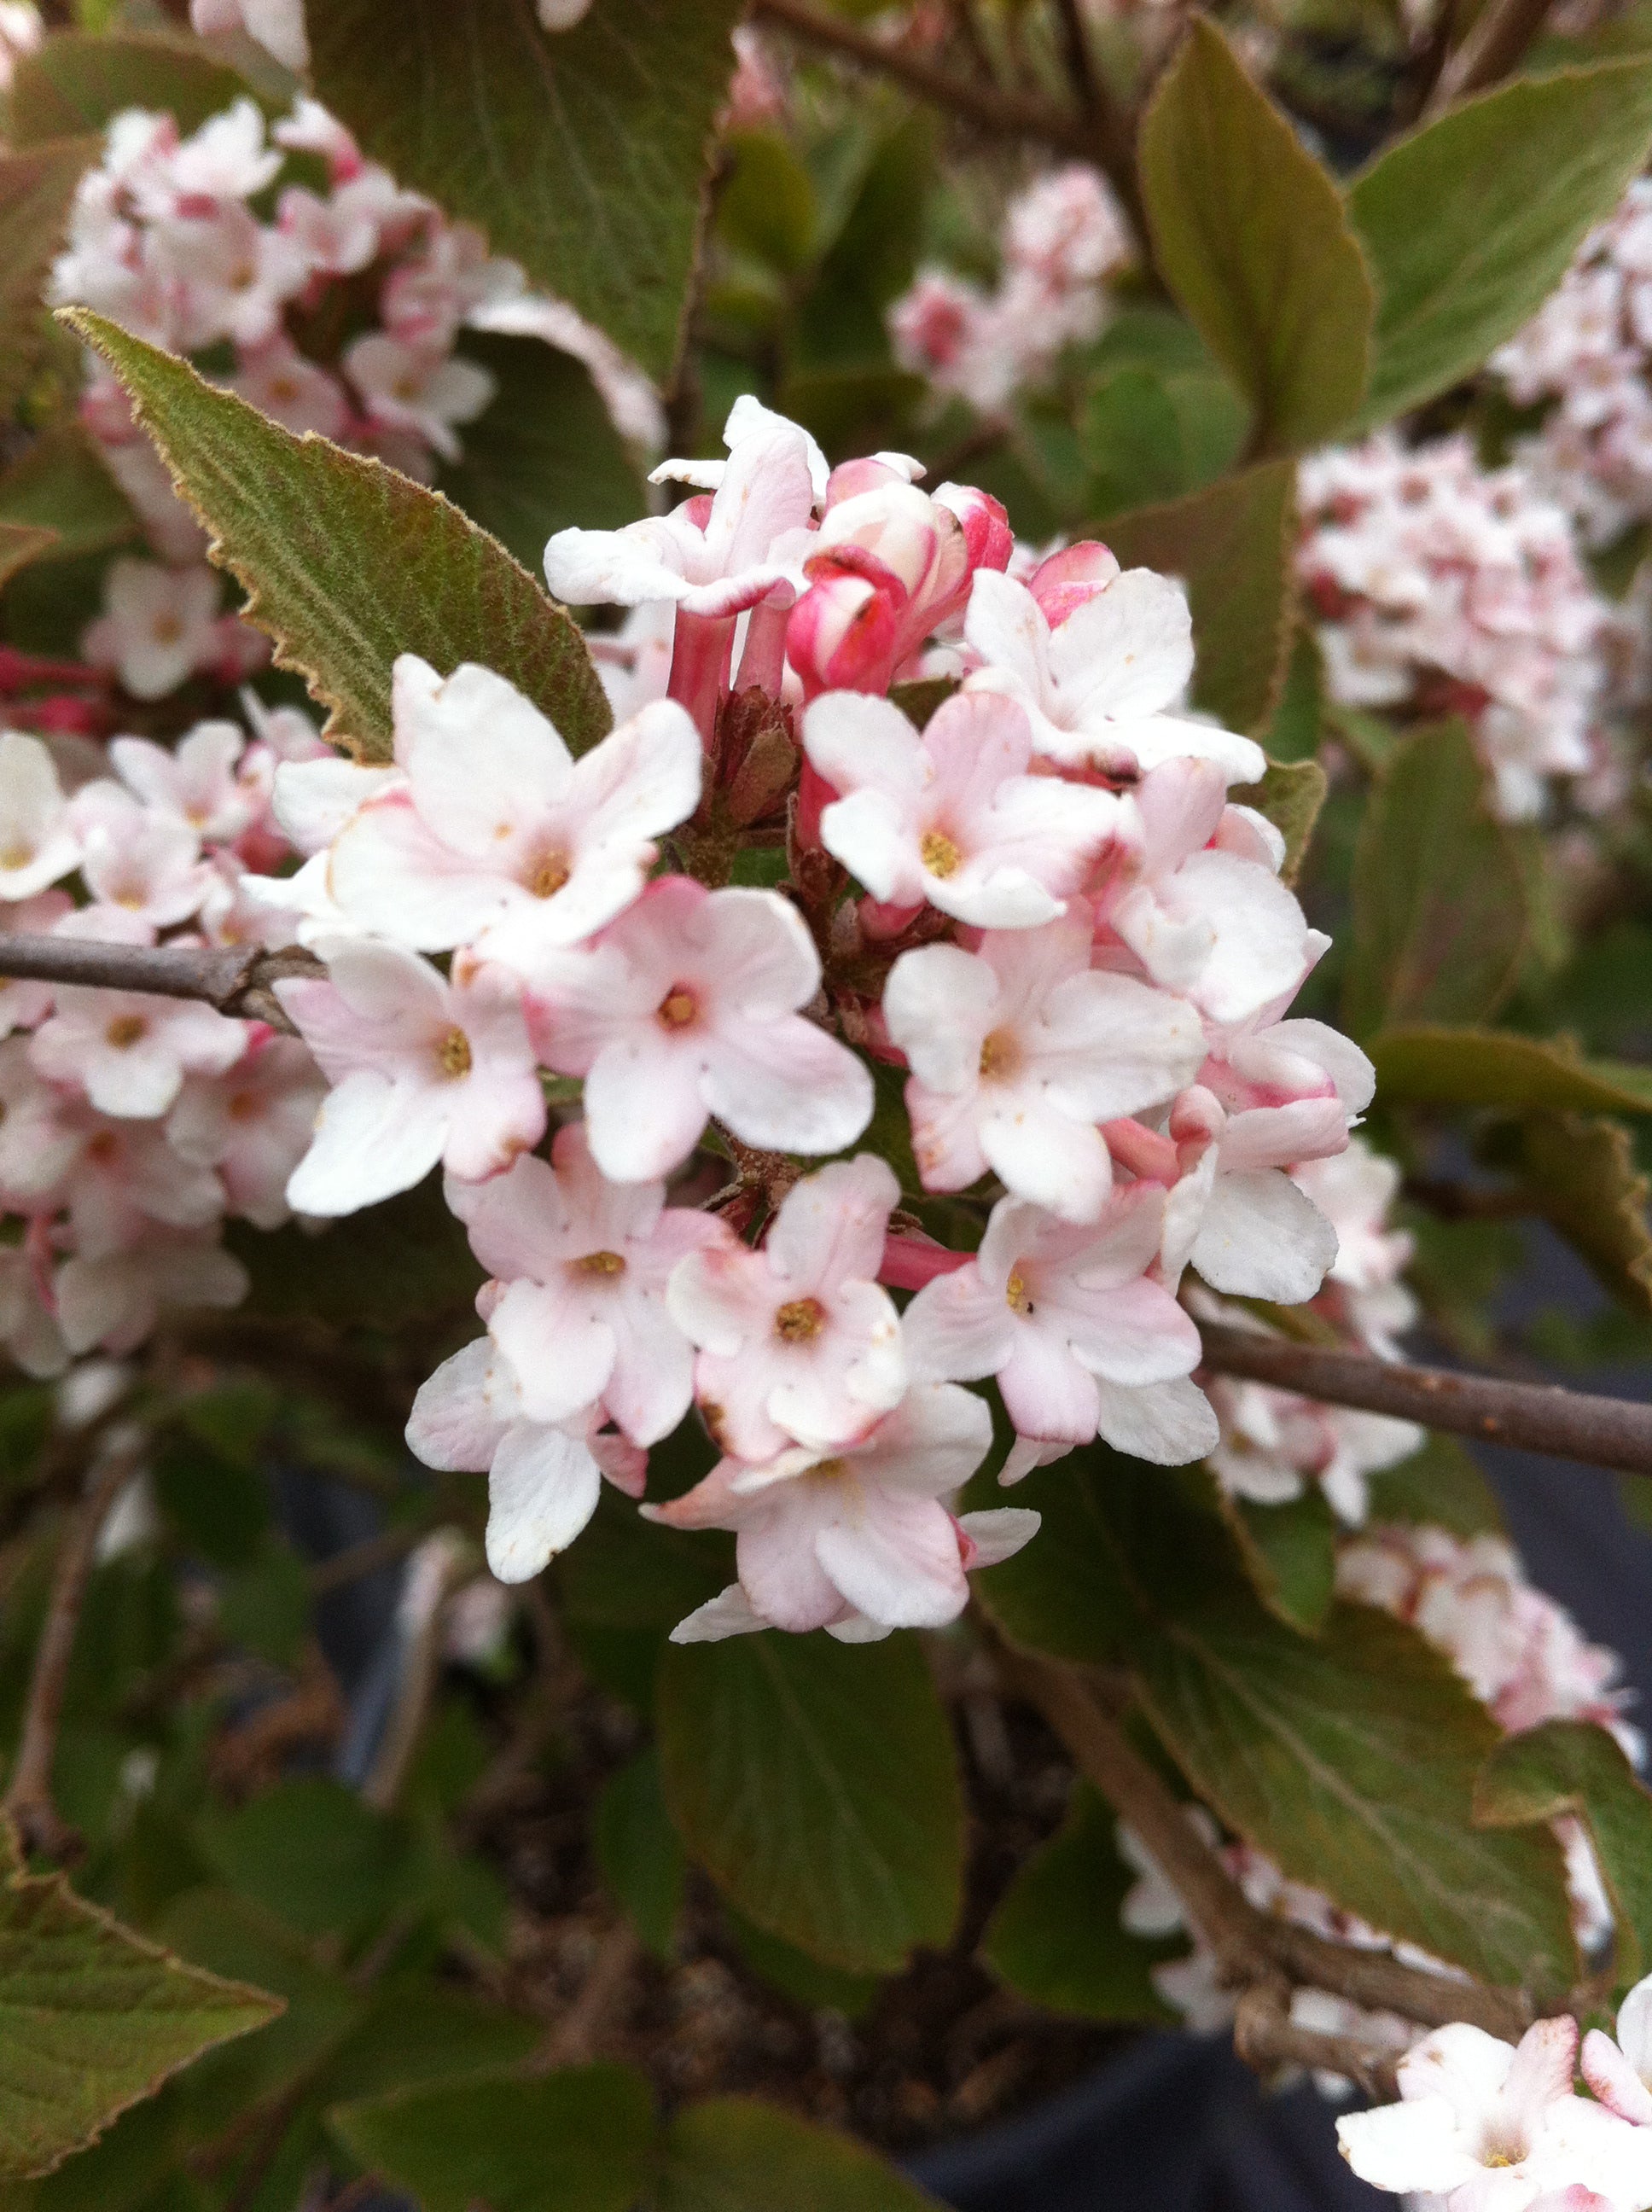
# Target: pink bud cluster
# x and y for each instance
(132, 1126)
(1444, 588)
(1034, 917)
(1062, 238)
(1585, 356)
(342, 308)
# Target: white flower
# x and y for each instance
(130, 1052)
(36, 844)
(159, 625)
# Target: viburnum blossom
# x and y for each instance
(1442, 587)
(37, 847)
(1492, 2127)
(1620, 2071)
(1062, 238)
(277, 24)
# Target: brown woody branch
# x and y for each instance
(1495, 45)
(28, 1796)
(1538, 1417)
(236, 979)
(1254, 1949)
(1268, 2039)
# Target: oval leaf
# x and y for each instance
(816, 1783)
(345, 563)
(1430, 1064)
(734, 2154)
(1251, 236)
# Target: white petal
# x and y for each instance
(541, 1490)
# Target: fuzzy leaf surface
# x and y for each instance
(580, 154)
(92, 2019)
(1440, 915)
(1468, 223)
(817, 1784)
(81, 80)
(346, 564)
(1252, 237)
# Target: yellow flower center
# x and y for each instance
(16, 856)
(601, 1263)
(678, 1008)
(1016, 1294)
(454, 1053)
(549, 876)
(801, 1320)
(1000, 1053)
(125, 1032)
(940, 854)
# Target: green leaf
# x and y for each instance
(1289, 1551)
(1131, 436)
(79, 81)
(347, 564)
(20, 545)
(841, 1835)
(1067, 1595)
(1350, 1759)
(1230, 544)
(419, 2031)
(1250, 234)
(543, 455)
(571, 2141)
(1439, 920)
(1434, 1066)
(1469, 224)
(1439, 1486)
(1290, 795)
(1574, 1767)
(1056, 1939)
(798, 1976)
(734, 2154)
(310, 1853)
(92, 2019)
(637, 1851)
(582, 153)
(36, 187)
(1293, 735)
(1582, 1178)
(767, 208)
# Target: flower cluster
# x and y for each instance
(1441, 588)
(279, 25)
(131, 1125)
(1037, 910)
(1494, 2127)
(342, 310)
(1274, 1442)
(1063, 238)
(1584, 355)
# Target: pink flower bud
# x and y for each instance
(843, 633)
(1068, 578)
(987, 536)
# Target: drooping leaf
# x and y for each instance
(734, 2154)
(79, 80)
(347, 564)
(581, 154)
(637, 1851)
(1290, 795)
(37, 184)
(1431, 1065)
(571, 2141)
(1250, 234)
(1350, 1759)
(842, 1838)
(1582, 1178)
(543, 455)
(1439, 920)
(1575, 1767)
(1231, 545)
(93, 2017)
(1468, 223)
(1056, 1938)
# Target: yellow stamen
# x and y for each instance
(601, 1263)
(125, 1032)
(454, 1054)
(940, 854)
(801, 1320)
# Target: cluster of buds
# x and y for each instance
(342, 311)
(1035, 913)
(132, 1126)
(1063, 238)
(1584, 357)
(1444, 588)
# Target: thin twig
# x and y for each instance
(1538, 1417)
(1268, 2039)
(573, 2040)
(1252, 1948)
(1497, 41)
(236, 979)
(28, 1796)
(1005, 114)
